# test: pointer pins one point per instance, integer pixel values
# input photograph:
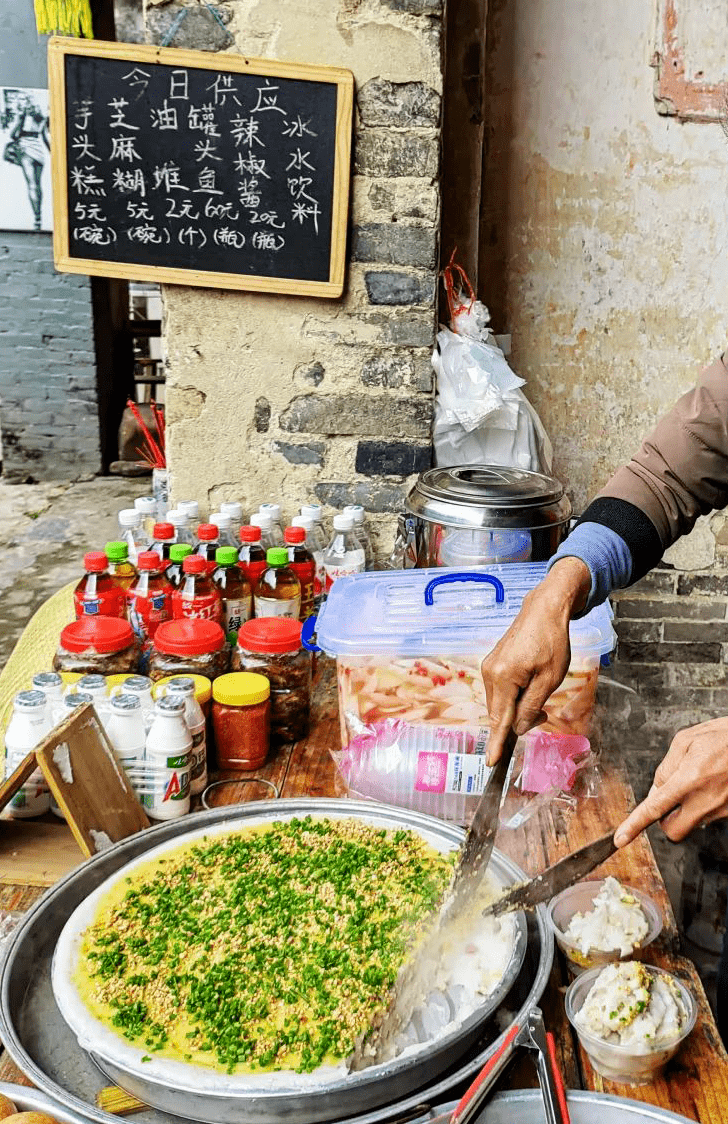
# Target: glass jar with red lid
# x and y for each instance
(189, 647)
(101, 645)
(271, 646)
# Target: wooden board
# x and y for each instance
(89, 784)
(17, 778)
(199, 169)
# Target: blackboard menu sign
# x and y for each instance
(198, 169)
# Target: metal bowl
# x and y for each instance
(348, 1096)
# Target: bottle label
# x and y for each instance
(271, 607)
(235, 612)
(319, 581)
(462, 773)
(205, 607)
(199, 755)
(107, 604)
(351, 563)
(147, 613)
(306, 574)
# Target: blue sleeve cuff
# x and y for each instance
(604, 553)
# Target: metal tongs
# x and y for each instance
(532, 1034)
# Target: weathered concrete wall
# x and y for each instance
(604, 227)
(269, 396)
(48, 387)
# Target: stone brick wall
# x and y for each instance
(287, 398)
(48, 400)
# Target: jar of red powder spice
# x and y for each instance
(241, 720)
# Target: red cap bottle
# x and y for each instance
(197, 598)
(98, 593)
(208, 540)
(303, 564)
(251, 559)
(150, 598)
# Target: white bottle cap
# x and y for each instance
(314, 510)
(220, 519)
(272, 509)
(233, 509)
(30, 700)
(130, 517)
(147, 505)
(190, 507)
(177, 518)
(261, 519)
(305, 521)
(77, 698)
(356, 511)
(343, 522)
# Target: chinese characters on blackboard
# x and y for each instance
(191, 167)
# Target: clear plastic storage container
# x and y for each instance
(409, 645)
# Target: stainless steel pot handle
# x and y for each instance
(465, 576)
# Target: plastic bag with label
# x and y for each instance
(481, 414)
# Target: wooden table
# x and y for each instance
(696, 1081)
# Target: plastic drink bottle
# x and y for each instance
(98, 594)
(344, 555)
(361, 529)
(316, 548)
(234, 511)
(141, 687)
(162, 539)
(302, 562)
(274, 511)
(181, 525)
(147, 505)
(150, 600)
(267, 534)
(191, 509)
(126, 730)
(120, 567)
(132, 532)
(234, 589)
(28, 725)
(96, 686)
(278, 592)
(197, 597)
(225, 532)
(165, 788)
(316, 512)
(251, 557)
(51, 684)
(181, 686)
(177, 554)
(208, 541)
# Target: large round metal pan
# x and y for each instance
(206, 1094)
(525, 1106)
(39, 1041)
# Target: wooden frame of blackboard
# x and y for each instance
(59, 48)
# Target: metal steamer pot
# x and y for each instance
(476, 514)
(49, 1052)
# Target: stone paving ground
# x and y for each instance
(45, 529)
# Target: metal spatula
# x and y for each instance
(378, 1044)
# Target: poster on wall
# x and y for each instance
(26, 201)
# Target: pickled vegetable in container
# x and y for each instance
(409, 644)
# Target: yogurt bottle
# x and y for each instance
(165, 794)
(29, 724)
(181, 686)
(126, 730)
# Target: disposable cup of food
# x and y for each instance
(579, 898)
(634, 1064)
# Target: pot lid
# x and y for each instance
(488, 495)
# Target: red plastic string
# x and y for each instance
(456, 283)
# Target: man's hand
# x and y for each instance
(531, 660)
(690, 786)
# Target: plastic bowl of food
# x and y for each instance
(655, 1037)
(614, 925)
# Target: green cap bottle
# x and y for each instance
(226, 556)
(276, 556)
(117, 551)
(179, 551)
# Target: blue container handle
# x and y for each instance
(465, 576)
(308, 634)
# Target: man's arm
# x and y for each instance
(680, 472)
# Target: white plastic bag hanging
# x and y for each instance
(481, 414)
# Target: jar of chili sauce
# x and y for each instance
(241, 720)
